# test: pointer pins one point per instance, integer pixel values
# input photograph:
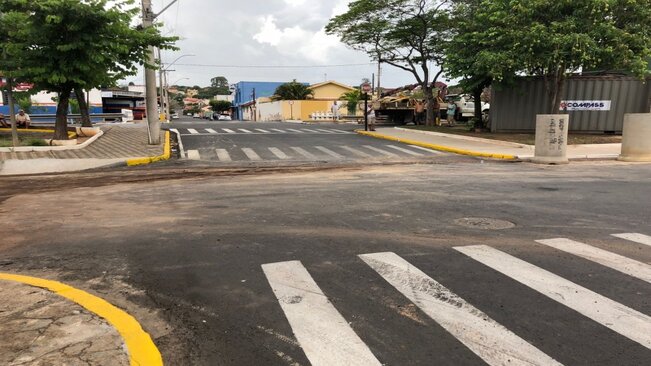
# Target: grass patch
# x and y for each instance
(520, 138)
(33, 139)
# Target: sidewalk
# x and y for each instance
(495, 149)
(119, 144)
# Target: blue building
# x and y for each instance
(244, 94)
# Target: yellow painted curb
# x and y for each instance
(438, 147)
(167, 153)
(71, 135)
(141, 348)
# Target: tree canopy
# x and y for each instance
(407, 34)
(220, 105)
(293, 91)
(500, 39)
(63, 45)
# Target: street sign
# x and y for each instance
(366, 88)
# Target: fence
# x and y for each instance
(602, 103)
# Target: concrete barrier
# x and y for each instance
(551, 139)
(636, 139)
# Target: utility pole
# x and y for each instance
(153, 122)
(161, 94)
(379, 73)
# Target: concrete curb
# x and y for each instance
(140, 346)
(439, 147)
(468, 138)
(167, 153)
(180, 142)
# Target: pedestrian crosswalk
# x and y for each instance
(260, 131)
(311, 153)
(327, 338)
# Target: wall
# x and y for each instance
(271, 111)
(300, 110)
(329, 91)
(515, 108)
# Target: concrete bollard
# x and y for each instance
(636, 139)
(551, 138)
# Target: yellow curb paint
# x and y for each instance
(438, 147)
(167, 153)
(141, 348)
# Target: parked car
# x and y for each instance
(174, 116)
(466, 106)
(225, 117)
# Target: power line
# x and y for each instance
(275, 66)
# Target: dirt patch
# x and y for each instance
(521, 138)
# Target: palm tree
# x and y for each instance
(293, 91)
(352, 98)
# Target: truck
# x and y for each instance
(466, 106)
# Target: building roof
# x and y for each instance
(318, 85)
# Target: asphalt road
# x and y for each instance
(274, 143)
(358, 266)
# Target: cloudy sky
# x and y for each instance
(263, 33)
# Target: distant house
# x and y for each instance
(246, 92)
(329, 90)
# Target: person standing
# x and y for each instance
(335, 111)
(452, 111)
(419, 110)
(22, 119)
(371, 117)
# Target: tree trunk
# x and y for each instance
(83, 108)
(12, 112)
(61, 124)
(476, 94)
(555, 89)
(430, 119)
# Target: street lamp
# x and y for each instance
(177, 59)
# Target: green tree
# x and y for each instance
(407, 34)
(352, 98)
(555, 38)
(24, 100)
(220, 105)
(293, 91)
(220, 85)
(67, 46)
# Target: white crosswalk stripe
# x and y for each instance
(193, 155)
(635, 237)
(261, 130)
(325, 336)
(611, 314)
(413, 153)
(356, 152)
(304, 153)
(278, 153)
(428, 150)
(383, 152)
(277, 130)
(244, 130)
(605, 258)
(329, 152)
(210, 130)
(193, 131)
(326, 131)
(228, 130)
(223, 155)
(295, 130)
(252, 155)
(491, 341)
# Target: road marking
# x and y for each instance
(277, 130)
(294, 130)
(326, 131)
(356, 152)
(611, 314)
(413, 153)
(615, 261)
(279, 154)
(309, 130)
(228, 130)
(194, 155)
(193, 131)
(251, 154)
(244, 130)
(261, 130)
(329, 152)
(386, 153)
(435, 152)
(210, 130)
(482, 335)
(635, 237)
(141, 348)
(305, 153)
(223, 155)
(325, 336)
